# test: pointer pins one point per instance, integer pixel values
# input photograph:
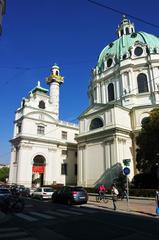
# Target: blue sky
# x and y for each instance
(71, 33)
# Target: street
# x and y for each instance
(43, 219)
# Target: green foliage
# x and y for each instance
(4, 173)
(120, 182)
(148, 143)
(36, 180)
(145, 180)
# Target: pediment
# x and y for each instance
(92, 109)
(41, 116)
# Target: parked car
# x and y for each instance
(43, 193)
(70, 195)
(4, 192)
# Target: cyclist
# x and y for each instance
(101, 190)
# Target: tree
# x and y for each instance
(148, 143)
(4, 173)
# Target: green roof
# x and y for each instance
(122, 45)
(39, 89)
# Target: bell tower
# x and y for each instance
(55, 80)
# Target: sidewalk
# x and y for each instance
(136, 206)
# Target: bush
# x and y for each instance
(142, 192)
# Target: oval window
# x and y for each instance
(96, 123)
(109, 62)
(138, 51)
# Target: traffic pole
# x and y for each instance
(127, 192)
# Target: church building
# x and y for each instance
(44, 149)
(123, 89)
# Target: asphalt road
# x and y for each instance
(45, 220)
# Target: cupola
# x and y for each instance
(125, 27)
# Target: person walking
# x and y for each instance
(115, 193)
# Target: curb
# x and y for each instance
(128, 212)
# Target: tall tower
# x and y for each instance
(54, 80)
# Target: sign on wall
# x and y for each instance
(38, 169)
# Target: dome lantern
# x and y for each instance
(125, 27)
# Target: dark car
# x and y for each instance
(70, 195)
(4, 192)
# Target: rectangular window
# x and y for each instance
(64, 168)
(64, 135)
(64, 152)
(19, 128)
(76, 169)
(95, 94)
(40, 130)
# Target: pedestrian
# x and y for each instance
(115, 193)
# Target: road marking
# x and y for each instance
(42, 215)
(58, 214)
(86, 210)
(8, 229)
(28, 238)
(29, 205)
(26, 217)
(70, 212)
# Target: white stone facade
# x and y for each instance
(123, 89)
(39, 132)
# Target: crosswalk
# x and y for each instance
(33, 216)
(14, 232)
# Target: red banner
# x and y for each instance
(38, 169)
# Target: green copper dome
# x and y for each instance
(127, 38)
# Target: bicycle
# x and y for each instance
(101, 197)
(12, 204)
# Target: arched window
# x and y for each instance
(39, 160)
(110, 92)
(96, 123)
(127, 31)
(42, 104)
(57, 73)
(142, 83)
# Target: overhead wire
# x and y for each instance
(123, 13)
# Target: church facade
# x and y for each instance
(123, 89)
(44, 149)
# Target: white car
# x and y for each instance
(43, 193)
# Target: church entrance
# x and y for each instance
(38, 170)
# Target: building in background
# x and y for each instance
(2, 12)
(44, 149)
(123, 90)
